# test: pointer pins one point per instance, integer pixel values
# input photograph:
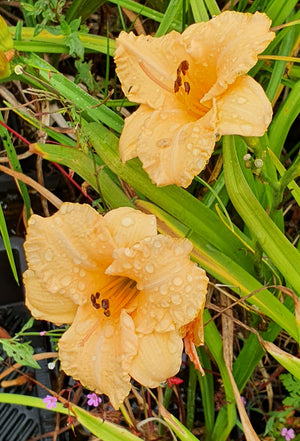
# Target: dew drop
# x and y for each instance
(241, 100)
(75, 269)
(246, 128)
(188, 288)
(48, 255)
(66, 280)
(127, 221)
(163, 143)
(163, 289)
(157, 244)
(58, 221)
(82, 273)
(190, 311)
(176, 299)
(149, 268)
(137, 265)
(81, 286)
(177, 281)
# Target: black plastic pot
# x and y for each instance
(19, 423)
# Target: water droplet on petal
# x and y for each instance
(48, 255)
(241, 100)
(127, 221)
(246, 128)
(176, 299)
(81, 286)
(163, 143)
(163, 289)
(66, 280)
(149, 268)
(177, 281)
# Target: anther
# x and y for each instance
(105, 303)
(187, 87)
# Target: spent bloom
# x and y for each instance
(192, 88)
(93, 399)
(50, 401)
(130, 295)
(288, 434)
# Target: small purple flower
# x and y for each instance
(93, 399)
(42, 333)
(288, 434)
(50, 401)
(243, 400)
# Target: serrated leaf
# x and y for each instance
(21, 352)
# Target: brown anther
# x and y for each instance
(107, 313)
(184, 66)
(93, 298)
(96, 305)
(187, 87)
(97, 295)
(105, 303)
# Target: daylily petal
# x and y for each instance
(147, 66)
(60, 255)
(158, 358)
(244, 109)
(98, 351)
(172, 287)
(174, 147)
(131, 132)
(227, 46)
(45, 306)
(128, 226)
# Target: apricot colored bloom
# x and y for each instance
(129, 294)
(192, 88)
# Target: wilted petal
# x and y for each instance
(227, 46)
(244, 109)
(158, 358)
(45, 306)
(172, 287)
(174, 146)
(147, 66)
(128, 226)
(69, 251)
(98, 351)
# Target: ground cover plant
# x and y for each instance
(154, 146)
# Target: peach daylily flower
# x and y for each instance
(129, 293)
(192, 88)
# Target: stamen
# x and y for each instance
(187, 87)
(105, 303)
(182, 70)
(153, 78)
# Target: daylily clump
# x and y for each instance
(130, 295)
(192, 88)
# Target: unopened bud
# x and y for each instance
(258, 163)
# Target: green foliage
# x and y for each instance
(22, 352)
(292, 385)
(50, 11)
